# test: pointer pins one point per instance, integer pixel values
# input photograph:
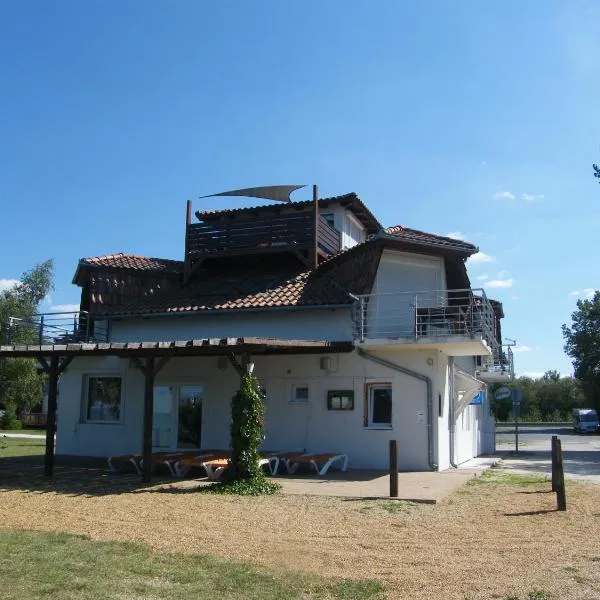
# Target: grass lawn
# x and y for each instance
(500, 537)
(29, 430)
(10, 447)
(68, 566)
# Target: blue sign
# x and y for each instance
(478, 399)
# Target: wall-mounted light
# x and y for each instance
(430, 361)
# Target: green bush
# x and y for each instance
(9, 419)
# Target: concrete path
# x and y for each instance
(423, 486)
(30, 436)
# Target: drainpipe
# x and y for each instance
(451, 421)
(390, 365)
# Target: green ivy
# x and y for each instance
(245, 476)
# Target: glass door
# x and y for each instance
(162, 427)
(189, 426)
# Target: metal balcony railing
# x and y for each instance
(426, 314)
(500, 363)
(57, 328)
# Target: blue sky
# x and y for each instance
(476, 119)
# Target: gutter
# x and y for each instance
(400, 369)
(451, 421)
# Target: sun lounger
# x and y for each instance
(214, 464)
(129, 459)
(314, 460)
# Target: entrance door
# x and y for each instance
(162, 421)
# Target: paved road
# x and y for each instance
(581, 453)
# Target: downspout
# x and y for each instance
(390, 365)
(451, 420)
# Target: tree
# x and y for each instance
(20, 382)
(582, 344)
(596, 171)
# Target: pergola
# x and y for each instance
(150, 358)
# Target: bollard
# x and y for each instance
(561, 496)
(554, 465)
(393, 469)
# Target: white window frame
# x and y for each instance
(292, 396)
(370, 387)
(86, 397)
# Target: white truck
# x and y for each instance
(585, 420)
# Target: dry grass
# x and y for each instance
(497, 537)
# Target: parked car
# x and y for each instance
(585, 420)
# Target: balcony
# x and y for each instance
(57, 328)
(262, 234)
(497, 370)
(460, 322)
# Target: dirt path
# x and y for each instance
(487, 541)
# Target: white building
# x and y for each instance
(412, 342)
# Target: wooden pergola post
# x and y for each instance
(148, 418)
(54, 369)
(150, 369)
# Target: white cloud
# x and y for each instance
(500, 195)
(587, 293)
(517, 349)
(532, 197)
(532, 374)
(6, 284)
(457, 235)
(499, 283)
(481, 257)
(504, 274)
(65, 308)
(482, 277)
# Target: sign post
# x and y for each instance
(517, 396)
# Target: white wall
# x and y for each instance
(312, 324)
(402, 277)
(351, 230)
(288, 427)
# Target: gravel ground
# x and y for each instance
(489, 540)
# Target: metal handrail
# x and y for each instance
(56, 327)
(427, 313)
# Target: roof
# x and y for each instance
(134, 261)
(250, 288)
(399, 232)
(350, 201)
(197, 347)
(130, 262)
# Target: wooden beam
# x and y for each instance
(51, 416)
(148, 417)
(44, 363)
(64, 363)
(160, 364)
(236, 365)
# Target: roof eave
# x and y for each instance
(388, 237)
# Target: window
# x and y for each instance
(330, 218)
(379, 406)
(340, 400)
(102, 400)
(299, 394)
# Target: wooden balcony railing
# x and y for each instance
(275, 233)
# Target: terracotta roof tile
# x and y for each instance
(241, 289)
(414, 235)
(351, 200)
(134, 262)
